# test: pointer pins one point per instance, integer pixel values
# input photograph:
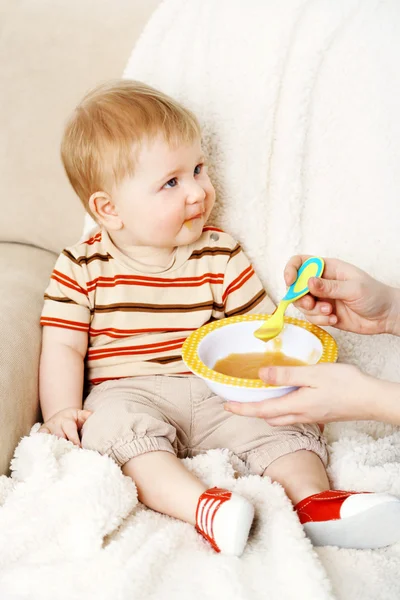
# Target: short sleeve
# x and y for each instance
(243, 292)
(66, 299)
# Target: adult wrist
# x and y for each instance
(366, 400)
(383, 401)
(393, 320)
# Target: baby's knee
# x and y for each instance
(122, 435)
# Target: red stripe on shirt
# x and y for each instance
(95, 354)
(155, 281)
(211, 228)
(98, 380)
(241, 283)
(238, 282)
(64, 324)
(67, 281)
(121, 333)
(93, 239)
(111, 354)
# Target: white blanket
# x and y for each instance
(299, 103)
(71, 529)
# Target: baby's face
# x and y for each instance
(170, 197)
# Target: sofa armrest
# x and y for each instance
(25, 271)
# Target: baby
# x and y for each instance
(119, 306)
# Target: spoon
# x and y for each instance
(313, 267)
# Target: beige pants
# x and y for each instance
(181, 415)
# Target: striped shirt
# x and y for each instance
(138, 320)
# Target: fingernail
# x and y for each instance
(227, 407)
(333, 319)
(325, 310)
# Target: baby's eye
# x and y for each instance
(197, 169)
(171, 183)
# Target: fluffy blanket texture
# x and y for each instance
(299, 104)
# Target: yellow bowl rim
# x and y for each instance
(192, 361)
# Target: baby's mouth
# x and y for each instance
(189, 222)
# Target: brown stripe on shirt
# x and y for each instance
(59, 299)
(162, 308)
(248, 306)
(164, 360)
(85, 260)
(207, 251)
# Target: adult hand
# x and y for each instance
(347, 298)
(66, 424)
(328, 392)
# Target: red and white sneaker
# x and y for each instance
(351, 519)
(224, 519)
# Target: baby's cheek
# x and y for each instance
(210, 195)
(168, 224)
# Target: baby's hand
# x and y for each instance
(66, 424)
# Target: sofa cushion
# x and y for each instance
(51, 54)
(25, 271)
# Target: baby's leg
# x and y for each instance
(134, 425)
(165, 485)
(301, 473)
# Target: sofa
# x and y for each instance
(51, 53)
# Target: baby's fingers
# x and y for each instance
(82, 417)
(71, 432)
(44, 429)
(52, 429)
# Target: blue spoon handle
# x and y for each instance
(313, 267)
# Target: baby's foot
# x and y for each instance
(350, 519)
(224, 519)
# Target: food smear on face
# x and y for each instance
(246, 366)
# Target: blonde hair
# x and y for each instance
(105, 131)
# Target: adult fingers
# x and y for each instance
(267, 409)
(292, 266)
(324, 320)
(332, 288)
(292, 376)
(283, 420)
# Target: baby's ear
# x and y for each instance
(104, 210)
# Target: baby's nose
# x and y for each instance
(196, 194)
